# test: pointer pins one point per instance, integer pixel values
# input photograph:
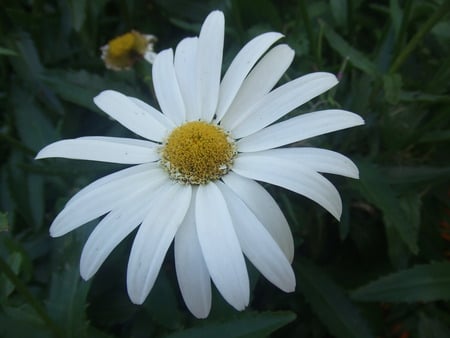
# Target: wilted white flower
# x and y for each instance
(123, 51)
(195, 174)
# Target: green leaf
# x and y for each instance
(36, 198)
(355, 57)
(246, 325)
(339, 11)
(422, 283)
(7, 51)
(415, 175)
(375, 188)
(14, 261)
(68, 292)
(78, 11)
(4, 224)
(22, 321)
(162, 303)
(418, 96)
(80, 87)
(34, 127)
(432, 328)
(392, 87)
(67, 301)
(435, 136)
(330, 303)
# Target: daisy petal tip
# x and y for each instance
(216, 15)
(55, 232)
(290, 285)
(40, 155)
(85, 274)
(136, 296)
(361, 120)
(104, 95)
(200, 314)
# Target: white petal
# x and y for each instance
(105, 149)
(156, 114)
(118, 175)
(299, 128)
(100, 200)
(210, 48)
(240, 67)
(154, 236)
(258, 83)
(166, 87)
(145, 123)
(187, 75)
(192, 273)
(293, 176)
(220, 246)
(112, 230)
(284, 99)
(257, 244)
(259, 201)
(321, 160)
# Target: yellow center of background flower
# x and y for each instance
(197, 153)
(121, 45)
(123, 51)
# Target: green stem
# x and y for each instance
(35, 304)
(426, 27)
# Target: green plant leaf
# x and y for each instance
(34, 127)
(7, 51)
(246, 325)
(4, 226)
(78, 11)
(67, 301)
(392, 87)
(80, 87)
(330, 303)
(355, 57)
(68, 292)
(415, 175)
(422, 283)
(432, 328)
(339, 11)
(435, 136)
(375, 188)
(14, 261)
(22, 321)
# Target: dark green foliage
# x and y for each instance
(382, 272)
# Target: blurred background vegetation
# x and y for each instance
(383, 271)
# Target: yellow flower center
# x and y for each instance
(197, 153)
(121, 45)
(123, 51)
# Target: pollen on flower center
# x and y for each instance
(122, 44)
(197, 153)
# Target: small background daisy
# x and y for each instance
(391, 60)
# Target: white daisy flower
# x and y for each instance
(194, 179)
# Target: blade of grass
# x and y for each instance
(440, 12)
